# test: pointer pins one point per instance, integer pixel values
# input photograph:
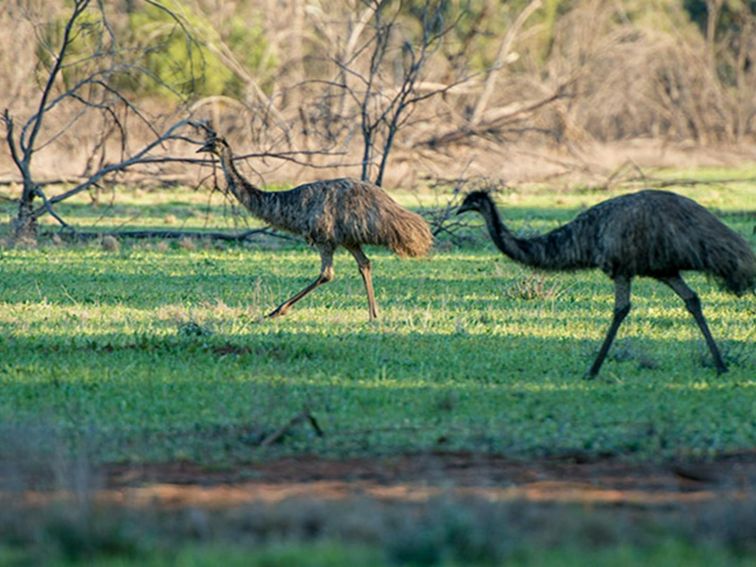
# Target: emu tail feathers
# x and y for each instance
(407, 234)
(734, 264)
(742, 277)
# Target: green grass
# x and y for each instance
(441, 531)
(158, 352)
(340, 555)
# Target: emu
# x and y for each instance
(650, 233)
(329, 214)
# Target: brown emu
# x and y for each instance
(329, 214)
(650, 233)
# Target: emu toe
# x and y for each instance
(279, 311)
(589, 375)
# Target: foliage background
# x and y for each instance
(657, 82)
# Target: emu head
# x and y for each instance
(213, 144)
(476, 201)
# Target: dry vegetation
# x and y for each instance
(519, 89)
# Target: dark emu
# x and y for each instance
(650, 233)
(330, 214)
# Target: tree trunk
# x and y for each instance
(25, 224)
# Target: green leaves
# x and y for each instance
(183, 54)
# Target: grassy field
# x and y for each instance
(157, 351)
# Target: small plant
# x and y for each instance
(193, 329)
(187, 244)
(110, 243)
(533, 285)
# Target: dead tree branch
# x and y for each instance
(244, 236)
(302, 417)
(384, 103)
(501, 59)
(132, 160)
(495, 120)
(84, 85)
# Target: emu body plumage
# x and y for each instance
(330, 214)
(651, 233)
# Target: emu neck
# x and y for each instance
(504, 239)
(560, 249)
(249, 195)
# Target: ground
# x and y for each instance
(408, 509)
(424, 476)
(152, 415)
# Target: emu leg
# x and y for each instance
(363, 263)
(693, 305)
(621, 309)
(326, 275)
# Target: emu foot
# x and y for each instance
(279, 311)
(593, 371)
(590, 374)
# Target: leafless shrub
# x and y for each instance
(442, 215)
(84, 101)
(380, 75)
(80, 89)
(529, 285)
(110, 243)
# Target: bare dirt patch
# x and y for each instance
(412, 509)
(419, 478)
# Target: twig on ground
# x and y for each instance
(674, 182)
(175, 234)
(301, 417)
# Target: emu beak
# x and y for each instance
(463, 209)
(206, 147)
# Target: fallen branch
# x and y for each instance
(6, 181)
(176, 234)
(301, 417)
(689, 182)
(494, 120)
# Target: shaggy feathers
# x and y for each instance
(338, 212)
(330, 214)
(649, 233)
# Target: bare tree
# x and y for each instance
(502, 55)
(83, 91)
(381, 76)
